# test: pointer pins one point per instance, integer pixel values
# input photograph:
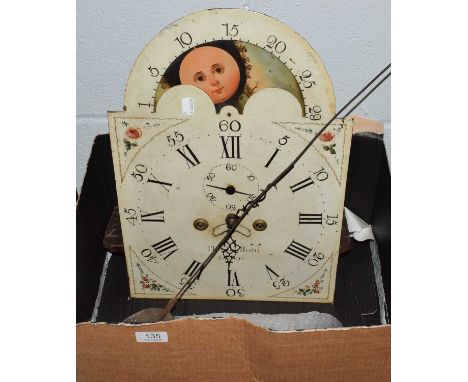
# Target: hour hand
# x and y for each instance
(223, 228)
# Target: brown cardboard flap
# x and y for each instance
(231, 350)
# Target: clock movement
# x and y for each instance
(216, 106)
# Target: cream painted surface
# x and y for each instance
(161, 254)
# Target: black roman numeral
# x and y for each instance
(272, 157)
(231, 146)
(232, 278)
(298, 250)
(310, 218)
(165, 247)
(152, 217)
(270, 271)
(193, 268)
(161, 183)
(303, 183)
(189, 156)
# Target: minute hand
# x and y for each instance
(223, 188)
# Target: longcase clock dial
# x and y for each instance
(181, 186)
(215, 107)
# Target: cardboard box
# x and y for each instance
(233, 349)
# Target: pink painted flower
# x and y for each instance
(133, 132)
(326, 136)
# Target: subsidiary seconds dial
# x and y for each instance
(230, 185)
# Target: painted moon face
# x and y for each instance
(212, 70)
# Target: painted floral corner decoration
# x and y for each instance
(151, 284)
(148, 283)
(328, 136)
(132, 134)
(314, 288)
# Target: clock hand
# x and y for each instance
(229, 189)
(219, 230)
(255, 202)
(220, 188)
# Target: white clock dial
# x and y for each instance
(181, 187)
(215, 107)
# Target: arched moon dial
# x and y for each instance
(269, 55)
(230, 185)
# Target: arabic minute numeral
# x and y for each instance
(211, 197)
(131, 215)
(314, 259)
(234, 125)
(149, 255)
(305, 79)
(233, 31)
(185, 39)
(277, 281)
(315, 113)
(275, 44)
(231, 167)
(178, 137)
(321, 174)
(332, 220)
(140, 169)
(231, 207)
(154, 72)
(231, 292)
(282, 141)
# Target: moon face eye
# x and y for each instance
(200, 78)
